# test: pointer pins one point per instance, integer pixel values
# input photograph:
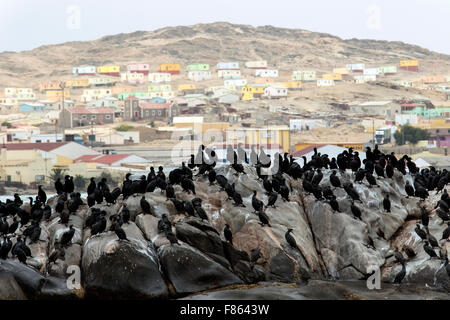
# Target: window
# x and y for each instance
(84, 117)
(153, 113)
(93, 117)
(108, 117)
(159, 112)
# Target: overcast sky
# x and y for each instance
(27, 24)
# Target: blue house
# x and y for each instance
(30, 107)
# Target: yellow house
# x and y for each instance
(332, 76)
(272, 135)
(57, 94)
(250, 91)
(109, 69)
(409, 63)
(186, 86)
(292, 85)
(343, 71)
(77, 83)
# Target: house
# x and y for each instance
(56, 104)
(95, 94)
(251, 91)
(49, 86)
(139, 68)
(434, 79)
(325, 83)
(235, 82)
(84, 70)
(21, 133)
(227, 98)
(132, 77)
(33, 162)
(409, 65)
(140, 95)
(135, 110)
(264, 80)
(118, 137)
(275, 91)
(78, 83)
(172, 68)
(57, 94)
(30, 107)
(341, 71)
(304, 75)
(162, 90)
(292, 85)
(372, 71)
(403, 83)
(46, 138)
(332, 76)
(261, 64)
(402, 119)
(157, 77)
(356, 67)
(199, 75)
(186, 88)
(363, 78)
(111, 160)
(108, 102)
(388, 109)
(20, 93)
(8, 102)
(268, 73)
(84, 116)
(227, 66)
(101, 81)
(305, 124)
(229, 74)
(271, 135)
(111, 70)
(388, 70)
(198, 67)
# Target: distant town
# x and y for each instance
(118, 119)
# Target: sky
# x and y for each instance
(27, 24)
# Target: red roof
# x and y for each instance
(300, 153)
(248, 146)
(154, 105)
(48, 146)
(83, 110)
(131, 98)
(107, 159)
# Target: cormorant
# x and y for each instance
(67, 236)
(420, 232)
(263, 218)
(399, 277)
(228, 234)
(335, 182)
(91, 187)
(429, 250)
(409, 251)
(290, 239)
(273, 196)
(145, 206)
(356, 211)
(120, 232)
(409, 189)
(42, 195)
(387, 203)
(256, 203)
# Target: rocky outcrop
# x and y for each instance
(330, 245)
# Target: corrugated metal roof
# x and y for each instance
(49, 146)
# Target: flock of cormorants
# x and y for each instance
(22, 224)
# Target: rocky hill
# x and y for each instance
(285, 49)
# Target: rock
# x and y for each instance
(30, 280)
(190, 271)
(125, 269)
(9, 288)
(57, 289)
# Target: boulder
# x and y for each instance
(189, 270)
(9, 288)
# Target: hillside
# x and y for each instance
(285, 49)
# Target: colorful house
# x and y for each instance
(409, 65)
(356, 67)
(388, 70)
(275, 91)
(49, 86)
(157, 77)
(270, 73)
(229, 74)
(75, 84)
(292, 85)
(84, 70)
(199, 75)
(101, 81)
(342, 71)
(332, 76)
(198, 67)
(81, 116)
(111, 70)
(235, 82)
(172, 68)
(325, 83)
(251, 91)
(132, 77)
(304, 75)
(261, 64)
(227, 66)
(139, 68)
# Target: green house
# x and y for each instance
(198, 67)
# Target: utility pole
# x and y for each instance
(373, 133)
